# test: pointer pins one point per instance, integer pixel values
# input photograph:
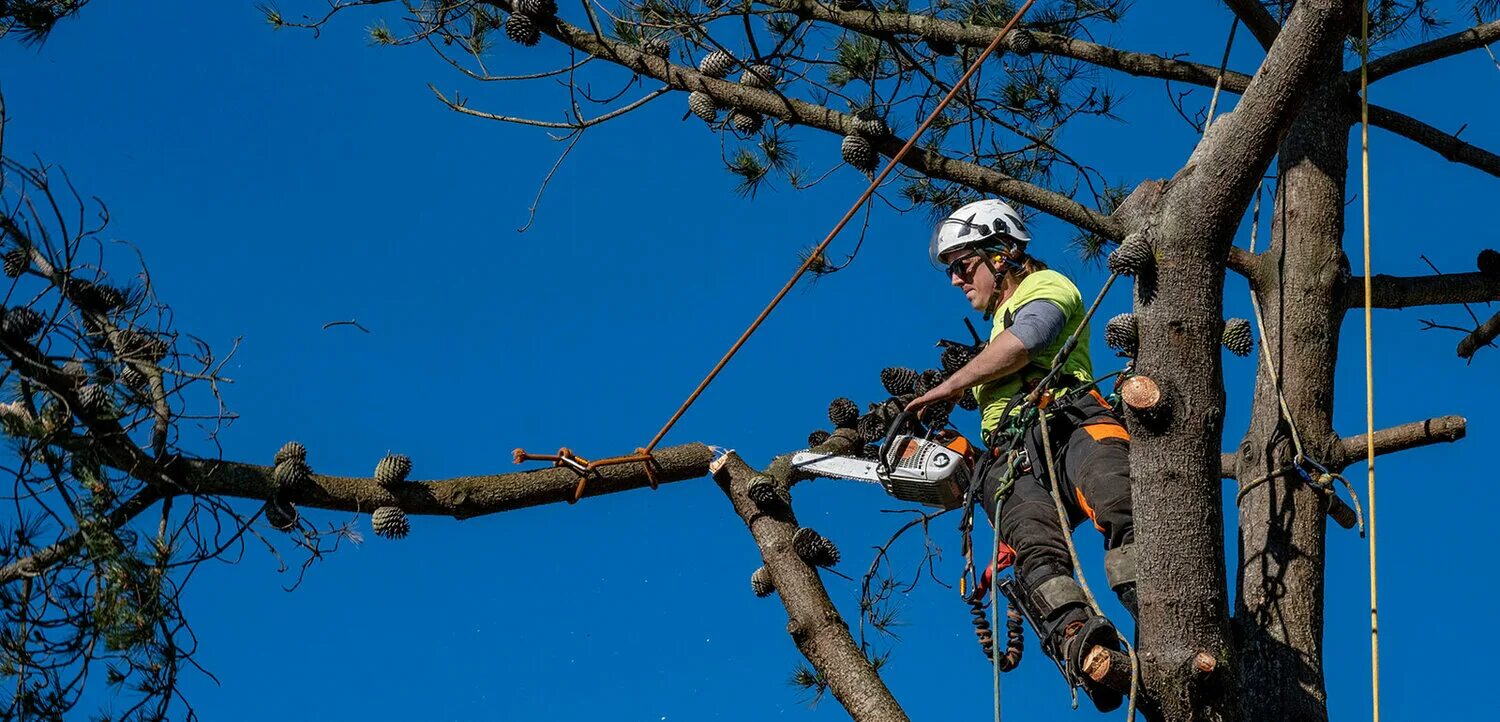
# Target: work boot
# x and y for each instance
(1080, 639)
(1070, 631)
(1126, 593)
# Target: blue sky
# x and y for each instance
(275, 182)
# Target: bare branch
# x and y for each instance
(1476, 37)
(1408, 291)
(1444, 144)
(1406, 436)
(1480, 338)
(45, 558)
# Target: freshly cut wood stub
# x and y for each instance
(1140, 393)
(1109, 668)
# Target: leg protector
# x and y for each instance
(1119, 569)
(1070, 631)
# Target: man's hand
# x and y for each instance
(941, 392)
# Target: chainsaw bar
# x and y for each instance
(841, 467)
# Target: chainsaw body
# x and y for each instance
(934, 470)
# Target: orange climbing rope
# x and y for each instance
(585, 469)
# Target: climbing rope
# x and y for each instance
(1067, 533)
(586, 469)
(1364, 142)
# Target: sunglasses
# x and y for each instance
(961, 266)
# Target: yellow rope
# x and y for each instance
(1364, 135)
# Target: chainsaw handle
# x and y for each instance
(890, 435)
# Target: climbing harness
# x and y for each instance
(585, 470)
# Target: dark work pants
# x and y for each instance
(1091, 452)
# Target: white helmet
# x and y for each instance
(982, 224)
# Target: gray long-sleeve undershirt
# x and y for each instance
(1037, 324)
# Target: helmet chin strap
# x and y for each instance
(993, 303)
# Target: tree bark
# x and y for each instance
(1279, 611)
(1175, 461)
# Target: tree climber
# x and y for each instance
(982, 248)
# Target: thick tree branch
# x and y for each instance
(1423, 53)
(1408, 291)
(1255, 17)
(1396, 438)
(1480, 338)
(799, 112)
(1444, 144)
(461, 497)
(1406, 436)
(890, 24)
(820, 633)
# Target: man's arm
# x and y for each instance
(1037, 324)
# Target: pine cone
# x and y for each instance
(22, 322)
(1489, 262)
(390, 522)
(392, 470)
(760, 582)
(870, 451)
(967, 402)
(522, 29)
(291, 473)
(656, 47)
(898, 380)
(282, 516)
(745, 121)
(109, 297)
(868, 124)
(139, 346)
(872, 427)
(954, 357)
(818, 438)
(814, 549)
(843, 412)
(76, 372)
(1132, 257)
(1237, 337)
(1121, 334)
(942, 47)
(931, 378)
(95, 398)
(17, 260)
(765, 492)
(935, 416)
(291, 450)
(133, 378)
(759, 75)
(716, 64)
(1021, 41)
(858, 153)
(703, 106)
(537, 8)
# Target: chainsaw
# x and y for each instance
(933, 469)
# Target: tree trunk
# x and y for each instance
(1279, 613)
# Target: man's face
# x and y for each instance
(968, 272)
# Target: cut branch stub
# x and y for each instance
(814, 548)
(1109, 668)
(1141, 394)
(760, 582)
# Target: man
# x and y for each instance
(982, 247)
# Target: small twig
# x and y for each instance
(350, 322)
(531, 212)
